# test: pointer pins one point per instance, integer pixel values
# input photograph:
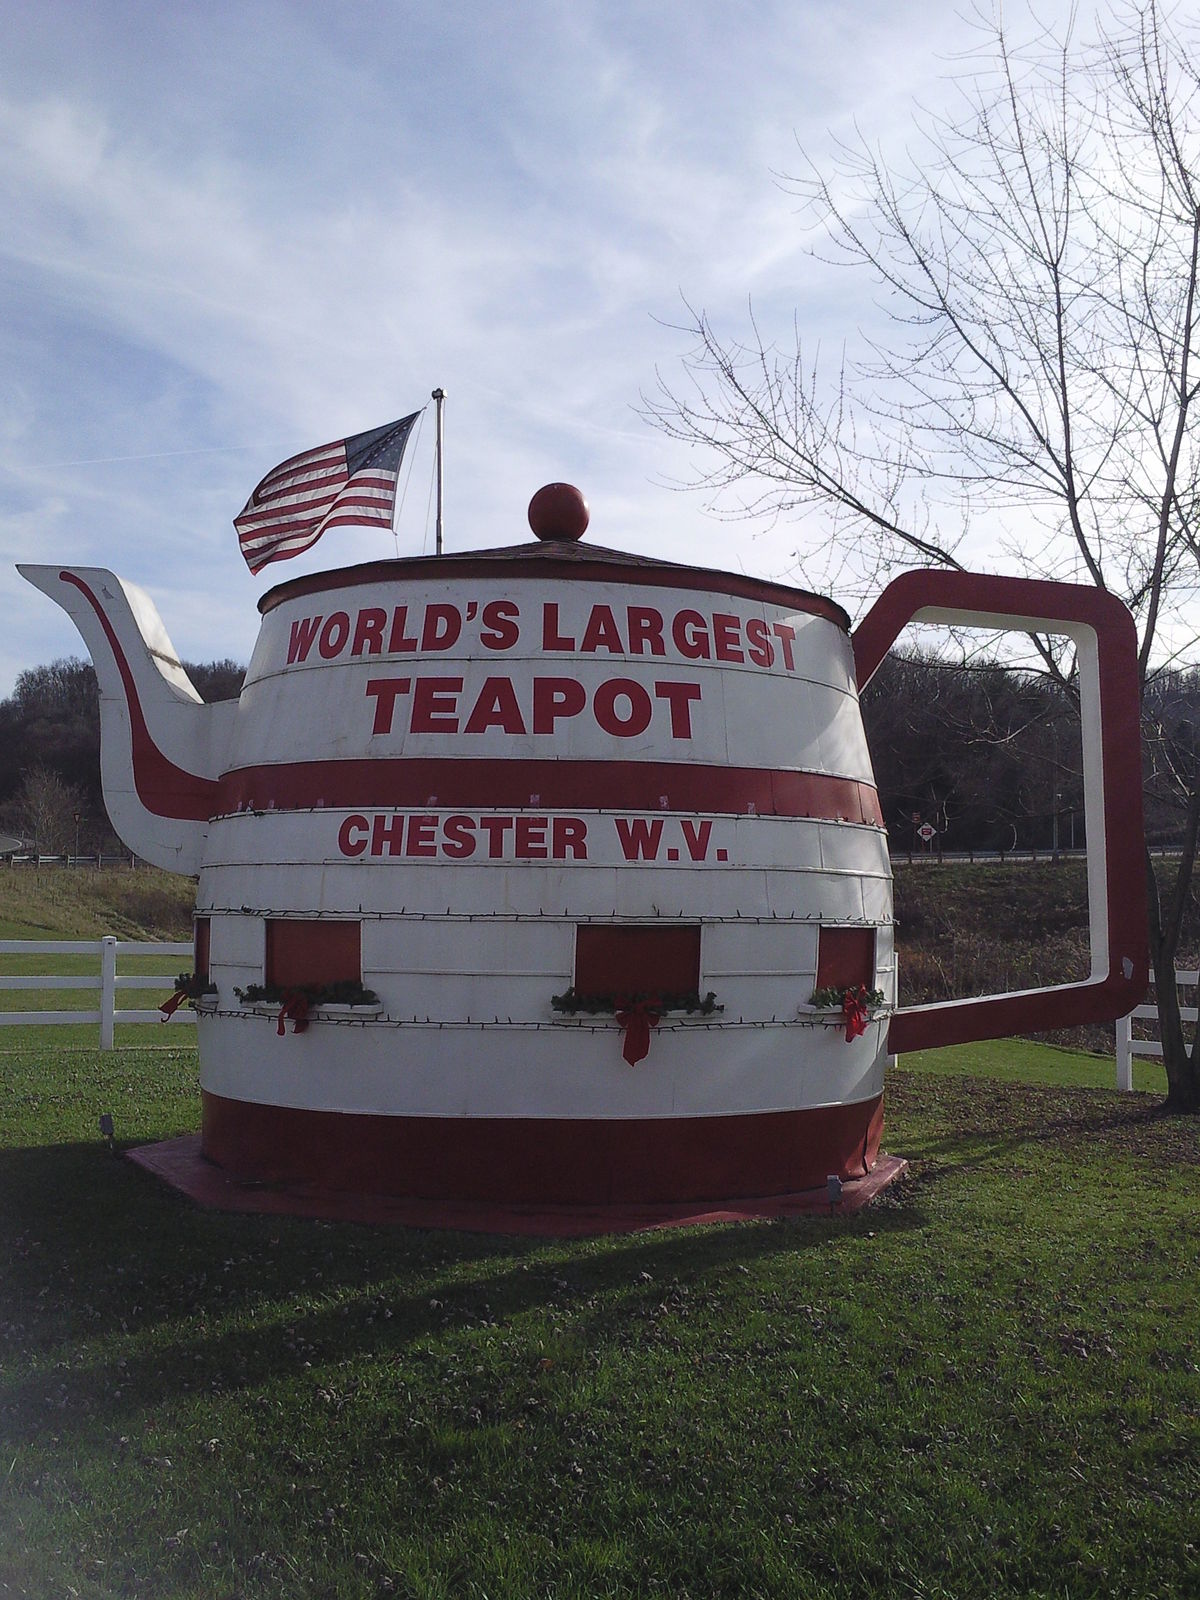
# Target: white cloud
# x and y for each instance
(242, 228)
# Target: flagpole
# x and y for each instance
(439, 398)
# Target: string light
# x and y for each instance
(705, 919)
(483, 1024)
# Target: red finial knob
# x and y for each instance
(558, 511)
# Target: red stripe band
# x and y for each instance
(550, 785)
(297, 511)
(327, 477)
(531, 1160)
(375, 499)
(311, 461)
(364, 509)
(358, 517)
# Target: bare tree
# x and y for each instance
(44, 810)
(1037, 255)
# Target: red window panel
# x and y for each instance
(312, 952)
(637, 959)
(200, 946)
(845, 958)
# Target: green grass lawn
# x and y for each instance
(1022, 1061)
(987, 1384)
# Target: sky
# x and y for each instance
(235, 231)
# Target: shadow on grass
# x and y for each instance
(145, 1298)
(979, 1119)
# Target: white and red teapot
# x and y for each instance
(552, 847)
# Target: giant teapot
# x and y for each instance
(529, 806)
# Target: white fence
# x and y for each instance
(1128, 1046)
(106, 980)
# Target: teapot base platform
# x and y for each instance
(181, 1164)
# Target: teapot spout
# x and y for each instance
(162, 749)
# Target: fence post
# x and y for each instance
(108, 989)
(1125, 1052)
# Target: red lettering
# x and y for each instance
(554, 698)
(551, 638)
(495, 828)
(420, 836)
(387, 831)
(352, 836)
(602, 632)
(460, 838)
(396, 833)
(639, 838)
(726, 633)
(442, 627)
(500, 629)
(435, 705)
(334, 635)
(679, 697)
(690, 635)
(641, 707)
(761, 650)
(531, 838)
(696, 836)
(304, 631)
(785, 636)
(496, 707)
(570, 837)
(401, 643)
(368, 632)
(645, 630)
(386, 691)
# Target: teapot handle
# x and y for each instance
(1105, 639)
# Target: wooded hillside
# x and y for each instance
(50, 754)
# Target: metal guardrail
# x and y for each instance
(899, 853)
(30, 858)
(1003, 858)
(107, 980)
(1128, 1046)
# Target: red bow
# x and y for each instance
(171, 1006)
(636, 1018)
(295, 1005)
(854, 1009)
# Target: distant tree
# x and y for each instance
(52, 719)
(216, 680)
(50, 727)
(44, 810)
(988, 755)
(1171, 715)
(1039, 257)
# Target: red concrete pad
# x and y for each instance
(180, 1163)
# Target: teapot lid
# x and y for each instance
(559, 515)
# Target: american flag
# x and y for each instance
(349, 481)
